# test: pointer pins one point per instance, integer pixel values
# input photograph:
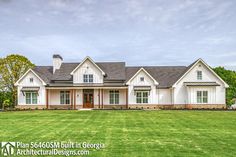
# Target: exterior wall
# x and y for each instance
(181, 92)
(152, 98)
(54, 97)
(25, 82)
(192, 94)
(87, 68)
(164, 96)
(106, 97)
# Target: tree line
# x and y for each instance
(13, 66)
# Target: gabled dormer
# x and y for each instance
(87, 72)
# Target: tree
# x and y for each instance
(12, 67)
(229, 77)
(6, 103)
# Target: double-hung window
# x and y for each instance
(31, 97)
(202, 96)
(88, 78)
(64, 97)
(85, 78)
(199, 75)
(114, 97)
(141, 97)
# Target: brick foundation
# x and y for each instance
(31, 106)
(65, 107)
(132, 106)
(114, 106)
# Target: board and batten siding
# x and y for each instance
(122, 97)
(87, 68)
(25, 82)
(152, 98)
(186, 95)
(164, 96)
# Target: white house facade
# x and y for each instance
(111, 85)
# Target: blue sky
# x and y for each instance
(140, 32)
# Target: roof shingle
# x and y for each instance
(166, 76)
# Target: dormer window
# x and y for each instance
(141, 79)
(199, 75)
(88, 78)
(31, 80)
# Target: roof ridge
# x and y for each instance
(95, 62)
(111, 62)
(154, 66)
(43, 66)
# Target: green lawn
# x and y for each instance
(128, 133)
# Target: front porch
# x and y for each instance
(80, 97)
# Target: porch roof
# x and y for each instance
(88, 85)
(201, 84)
(142, 88)
(30, 89)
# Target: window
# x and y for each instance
(31, 80)
(199, 75)
(114, 97)
(85, 78)
(142, 97)
(88, 78)
(65, 97)
(142, 79)
(31, 97)
(202, 96)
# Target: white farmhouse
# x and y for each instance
(105, 85)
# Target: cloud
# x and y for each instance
(139, 32)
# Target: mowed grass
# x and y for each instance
(128, 133)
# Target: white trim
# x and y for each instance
(209, 68)
(87, 58)
(30, 70)
(142, 69)
(89, 87)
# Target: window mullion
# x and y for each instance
(31, 97)
(202, 97)
(142, 97)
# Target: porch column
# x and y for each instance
(126, 92)
(75, 99)
(46, 98)
(102, 99)
(71, 103)
(99, 97)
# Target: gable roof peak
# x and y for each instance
(90, 59)
(145, 71)
(191, 66)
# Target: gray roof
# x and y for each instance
(44, 72)
(113, 71)
(64, 72)
(166, 76)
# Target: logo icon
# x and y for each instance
(7, 148)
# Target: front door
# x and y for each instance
(88, 98)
